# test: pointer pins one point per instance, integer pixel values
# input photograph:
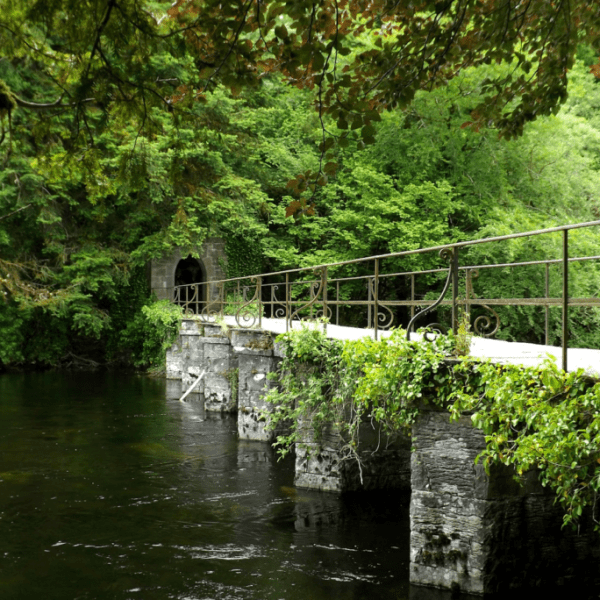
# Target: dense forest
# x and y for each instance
(107, 175)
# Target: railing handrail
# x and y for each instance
(528, 263)
(419, 250)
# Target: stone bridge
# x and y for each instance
(469, 531)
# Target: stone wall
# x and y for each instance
(324, 465)
(236, 368)
(236, 364)
(257, 357)
(486, 534)
(205, 348)
(162, 270)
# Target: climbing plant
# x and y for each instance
(313, 391)
(533, 418)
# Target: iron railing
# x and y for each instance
(312, 292)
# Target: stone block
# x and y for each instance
(190, 327)
(317, 469)
(215, 331)
(447, 541)
(217, 351)
(254, 368)
(325, 465)
(252, 425)
(251, 341)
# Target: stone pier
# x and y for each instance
(236, 364)
(324, 465)
(487, 533)
(206, 348)
(257, 357)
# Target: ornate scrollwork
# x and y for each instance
(483, 325)
(448, 255)
(484, 322)
(187, 304)
(277, 313)
(247, 315)
(383, 321)
(433, 330)
(319, 313)
(316, 289)
(214, 306)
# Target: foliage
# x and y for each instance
(537, 418)
(102, 66)
(242, 256)
(464, 335)
(128, 56)
(159, 326)
(533, 418)
(311, 391)
(119, 144)
(73, 228)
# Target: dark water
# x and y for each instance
(110, 490)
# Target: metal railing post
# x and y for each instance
(468, 292)
(369, 302)
(337, 303)
(288, 314)
(259, 299)
(324, 276)
(565, 299)
(376, 299)
(454, 267)
(547, 294)
(412, 296)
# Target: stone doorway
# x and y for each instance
(180, 269)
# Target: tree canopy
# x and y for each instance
(95, 56)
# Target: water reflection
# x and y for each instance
(112, 488)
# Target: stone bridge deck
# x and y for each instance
(500, 351)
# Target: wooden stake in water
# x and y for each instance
(192, 386)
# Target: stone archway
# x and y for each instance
(188, 270)
(211, 258)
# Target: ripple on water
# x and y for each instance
(110, 491)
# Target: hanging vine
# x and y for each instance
(538, 418)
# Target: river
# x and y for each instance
(112, 488)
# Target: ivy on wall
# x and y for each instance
(244, 256)
(537, 418)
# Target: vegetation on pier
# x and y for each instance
(537, 418)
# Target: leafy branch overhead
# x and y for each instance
(104, 63)
(97, 56)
